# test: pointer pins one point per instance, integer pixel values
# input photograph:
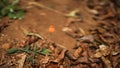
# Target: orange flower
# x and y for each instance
(51, 29)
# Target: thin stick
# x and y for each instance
(61, 46)
(43, 6)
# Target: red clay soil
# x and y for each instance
(38, 20)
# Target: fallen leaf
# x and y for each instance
(85, 53)
(104, 50)
(30, 33)
(65, 29)
(45, 59)
(81, 60)
(97, 55)
(70, 55)
(61, 56)
(53, 65)
(35, 34)
(77, 52)
(73, 13)
(106, 62)
(21, 60)
(82, 31)
(115, 53)
(87, 38)
(103, 47)
(29, 40)
(72, 20)
(95, 12)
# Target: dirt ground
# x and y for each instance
(39, 20)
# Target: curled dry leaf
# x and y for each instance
(77, 52)
(65, 29)
(85, 54)
(61, 56)
(82, 31)
(95, 65)
(73, 13)
(116, 61)
(104, 50)
(53, 65)
(72, 20)
(87, 38)
(103, 47)
(98, 54)
(27, 33)
(52, 48)
(69, 32)
(35, 34)
(115, 53)
(77, 45)
(69, 21)
(95, 12)
(94, 60)
(45, 59)
(21, 60)
(30, 40)
(81, 60)
(106, 62)
(72, 33)
(70, 55)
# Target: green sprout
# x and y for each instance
(32, 52)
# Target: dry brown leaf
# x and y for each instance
(66, 29)
(81, 60)
(30, 40)
(72, 20)
(88, 38)
(52, 65)
(73, 13)
(70, 55)
(45, 59)
(106, 62)
(21, 60)
(61, 56)
(82, 31)
(77, 52)
(104, 50)
(97, 55)
(95, 12)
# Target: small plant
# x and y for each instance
(11, 9)
(31, 51)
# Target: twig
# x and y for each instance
(59, 45)
(43, 6)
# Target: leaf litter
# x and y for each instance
(97, 49)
